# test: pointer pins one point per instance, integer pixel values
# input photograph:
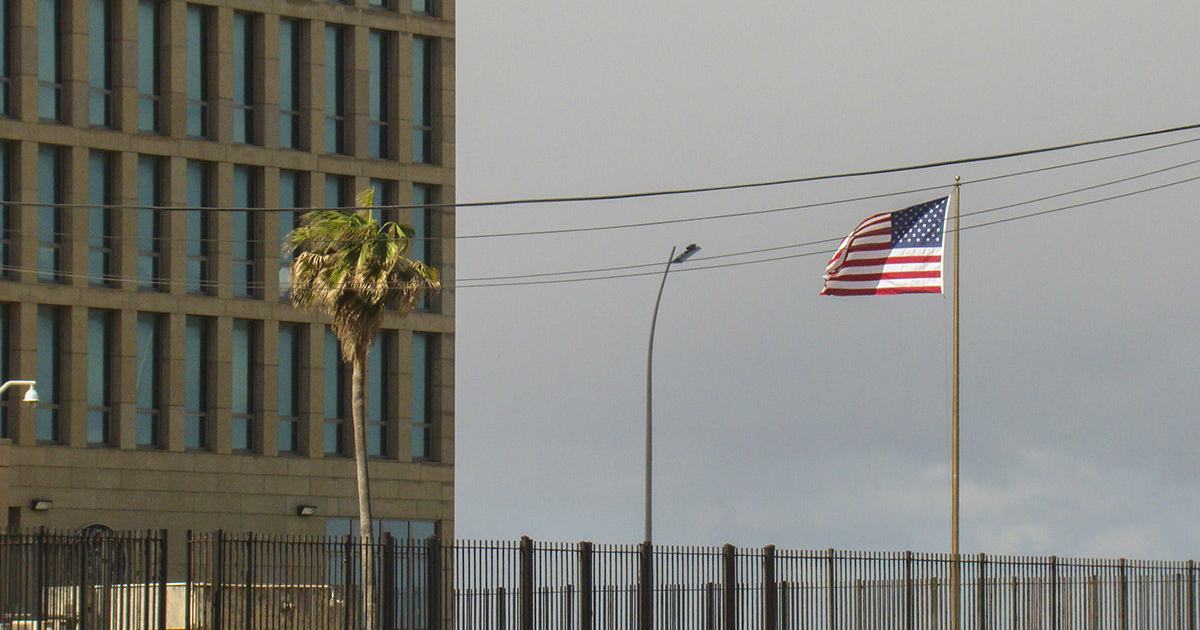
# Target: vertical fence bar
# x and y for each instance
(162, 579)
(831, 584)
(387, 589)
(435, 581)
(1123, 594)
(1191, 595)
(729, 593)
(500, 612)
(217, 580)
(908, 591)
(646, 587)
(347, 580)
(187, 592)
(585, 585)
(770, 590)
(526, 592)
(1053, 592)
(981, 591)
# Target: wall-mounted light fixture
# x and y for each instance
(31, 395)
(306, 510)
(41, 505)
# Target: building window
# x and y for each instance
(196, 220)
(385, 200)
(244, 79)
(289, 388)
(335, 89)
(337, 192)
(100, 221)
(289, 83)
(50, 214)
(99, 377)
(198, 71)
(290, 195)
(5, 214)
(5, 65)
(423, 7)
(50, 74)
(377, 400)
(381, 4)
(421, 248)
(380, 96)
(422, 144)
(245, 282)
(242, 374)
(195, 390)
(49, 356)
(335, 396)
(149, 223)
(148, 429)
(100, 63)
(422, 396)
(149, 66)
(4, 433)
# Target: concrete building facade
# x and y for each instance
(153, 154)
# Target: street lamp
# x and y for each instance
(672, 259)
(31, 395)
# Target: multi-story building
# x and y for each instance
(153, 153)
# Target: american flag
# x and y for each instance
(889, 253)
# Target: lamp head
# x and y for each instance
(686, 253)
(31, 396)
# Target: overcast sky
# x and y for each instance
(787, 418)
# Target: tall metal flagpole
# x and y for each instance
(956, 582)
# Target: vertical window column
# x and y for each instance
(195, 389)
(422, 103)
(100, 220)
(244, 234)
(290, 83)
(50, 57)
(289, 388)
(199, 79)
(5, 62)
(49, 368)
(335, 396)
(380, 87)
(50, 215)
(422, 396)
(149, 223)
(242, 390)
(290, 195)
(99, 377)
(4, 370)
(149, 66)
(148, 424)
(337, 191)
(335, 88)
(100, 62)
(421, 248)
(245, 78)
(385, 200)
(198, 191)
(377, 400)
(5, 213)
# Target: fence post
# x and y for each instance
(435, 580)
(187, 593)
(1123, 606)
(526, 553)
(1191, 595)
(387, 582)
(162, 579)
(784, 597)
(729, 557)
(646, 587)
(217, 573)
(908, 591)
(585, 585)
(81, 604)
(248, 578)
(770, 589)
(39, 569)
(710, 606)
(831, 583)
(981, 592)
(501, 613)
(347, 579)
(1053, 592)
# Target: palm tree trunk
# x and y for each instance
(358, 413)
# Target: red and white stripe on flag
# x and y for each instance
(891, 253)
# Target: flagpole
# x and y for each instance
(956, 585)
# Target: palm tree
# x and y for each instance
(354, 269)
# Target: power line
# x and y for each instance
(827, 251)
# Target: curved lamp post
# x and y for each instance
(673, 259)
(31, 395)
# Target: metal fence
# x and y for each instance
(92, 579)
(256, 582)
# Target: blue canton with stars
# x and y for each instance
(919, 226)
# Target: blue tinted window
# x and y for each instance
(422, 103)
(197, 71)
(50, 219)
(5, 69)
(149, 230)
(335, 396)
(99, 217)
(289, 197)
(243, 245)
(195, 390)
(149, 362)
(289, 386)
(422, 396)
(243, 77)
(337, 191)
(50, 59)
(99, 353)
(376, 396)
(48, 356)
(4, 369)
(5, 234)
(335, 88)
(289, 83)
(196, 268)
(149, 94)
(99, 62)
(379, 103)
(242, 385)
